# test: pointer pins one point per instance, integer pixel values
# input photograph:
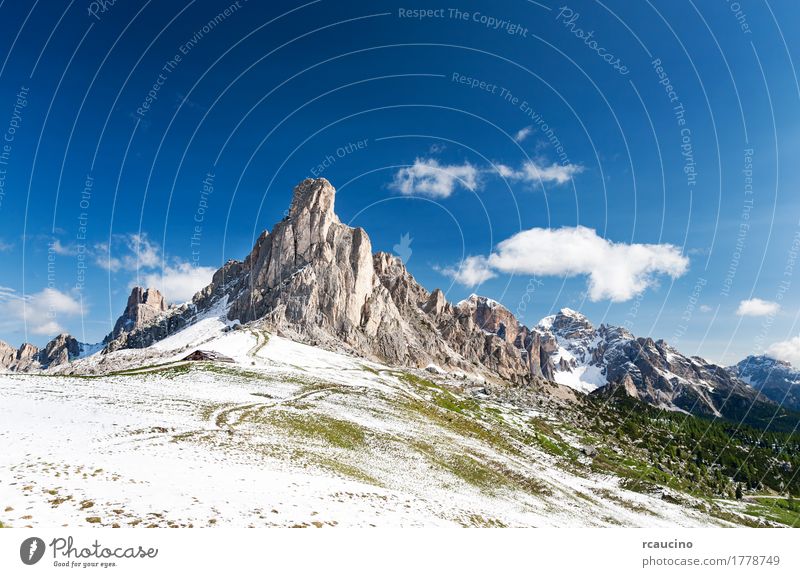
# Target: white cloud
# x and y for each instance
(757, 308)
(427, 177)
(472, 271)
(4, 246)
(523, 133)
(40, 311)
(705, 309)
(786, 351)
(616, 271)
(180, 282)
(536, 172)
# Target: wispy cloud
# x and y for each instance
(41, 311)
(523, 133)
(177, 280)
(129, 252)
(62, 249)
(536, 172)
(426, 177)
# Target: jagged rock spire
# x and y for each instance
(144, 306)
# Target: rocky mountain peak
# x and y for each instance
(314, 195)
(62, 349)
(491, 317)
(567, 323)
(776, 379)
(8, 354)
(147, 297)
(27, 351)
(144, 306)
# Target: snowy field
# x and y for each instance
(287, 435)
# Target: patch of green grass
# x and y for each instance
(413, 379)
(345, 469)
(207, 411)
(231, 371)
(157, 368)
(637, 474)
(475, 520)
(783, 511)
(332, 431)
(458, 423)
(726, 515)
(464, 417)
(630, 505)
(171, 370)
(465, 467)
(550, 446)
(369, 369)
(313, 386)
(485, 474)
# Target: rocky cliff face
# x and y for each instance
(317, 280)
(535, 346)
(145, 305)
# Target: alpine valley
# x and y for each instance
(315, 384)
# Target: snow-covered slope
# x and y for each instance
(290, 435)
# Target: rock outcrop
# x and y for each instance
(8, 355)
(145, 306)
(28, 357)
(61, 349)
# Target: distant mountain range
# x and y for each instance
(315, 280)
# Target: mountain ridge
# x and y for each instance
(314, 279)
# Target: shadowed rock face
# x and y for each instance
(61, 349)
(777, 380)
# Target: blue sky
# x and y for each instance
(635, 161)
